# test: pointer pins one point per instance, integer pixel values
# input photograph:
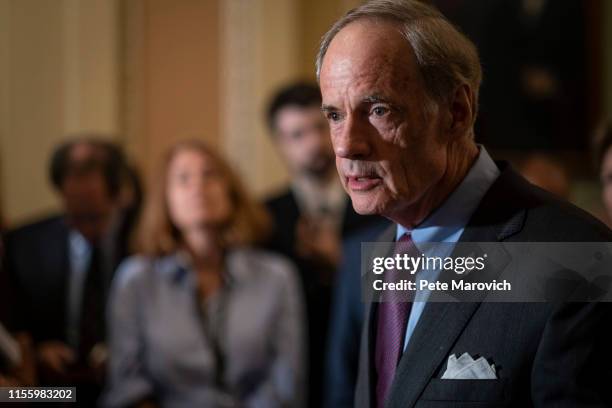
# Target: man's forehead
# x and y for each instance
(81, 151)
(363, 51)
(355, 83)
(85, 151)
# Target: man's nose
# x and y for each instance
(351, 141)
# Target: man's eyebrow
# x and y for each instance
(374, 98)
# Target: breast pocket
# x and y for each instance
(483, 391)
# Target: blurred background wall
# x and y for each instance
(607, 43)
(59, 74)
(150, 72)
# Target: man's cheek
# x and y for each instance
(339, 167)
(389, 184)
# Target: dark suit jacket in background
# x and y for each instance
(285, 215)
(547, 354)
(38, 266)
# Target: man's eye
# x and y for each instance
(333, 116)
(380, 110)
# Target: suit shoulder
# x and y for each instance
(565, 222)
(39, 230)
(40, 225)
(549, 218)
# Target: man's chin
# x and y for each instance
(364, 207)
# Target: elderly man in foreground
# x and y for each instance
(400, 91)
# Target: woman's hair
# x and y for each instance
(158, 236)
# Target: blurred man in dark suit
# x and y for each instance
(313, 214)
(400, 91)
(17, 366)
(60, 267)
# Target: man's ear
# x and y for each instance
(462, 110)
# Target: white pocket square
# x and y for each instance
(466, 368)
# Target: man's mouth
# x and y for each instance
(363, 183)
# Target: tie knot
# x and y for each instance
(406, 237)
(405, 245)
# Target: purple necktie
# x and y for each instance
(391, 329)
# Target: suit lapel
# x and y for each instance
(438, 327)
(442, 323)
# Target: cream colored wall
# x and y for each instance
(151, 72)
(91, 66)
(58, 75)
(171, 83)
(265, 44)
(607, 57)
(259, 54)
(316, 17)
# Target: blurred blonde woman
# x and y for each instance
(201, 319)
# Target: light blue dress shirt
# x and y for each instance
(446, 224)
(79, 252)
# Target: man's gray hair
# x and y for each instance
(445, 57)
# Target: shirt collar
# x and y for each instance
(446, 223)
(79, 246)
(179, 268)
